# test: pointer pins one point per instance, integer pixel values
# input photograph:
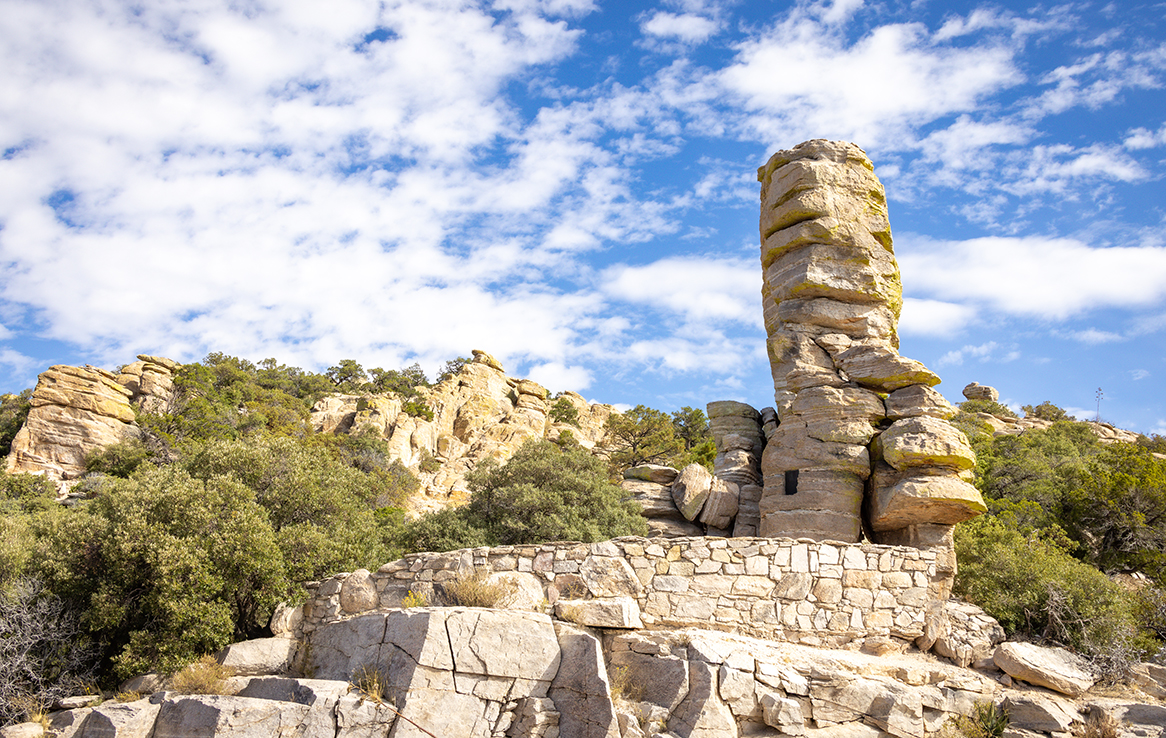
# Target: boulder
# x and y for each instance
(655, 473)
(1041, 713)
(924, 442)
(358, 593)
(614, 612)
(691, 489)
(977, 391)
(899, 499)
(258, 657)
(1054, 668)
(721, 506)
(881, 368)
(918, 399)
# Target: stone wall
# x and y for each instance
(803, 591)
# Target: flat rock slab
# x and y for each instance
(1054, 668)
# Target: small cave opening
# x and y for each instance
(791, 482)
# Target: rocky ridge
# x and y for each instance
(478, 414)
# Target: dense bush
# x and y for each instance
(13, 412)
(1036, 589)
(987, 406)
(1045, 411)
(546, 492)
(44, 654)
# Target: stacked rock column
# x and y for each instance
(736, 429)
(831, 296)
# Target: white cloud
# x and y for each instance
(804, 79)
(1138, 374)
(934, 317)
(711, 289)
(1095, 336)
(686, 27)
(982, 352)
(1052, 278)
(1142, 138)
(558, 377)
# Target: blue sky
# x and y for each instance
(571, 186)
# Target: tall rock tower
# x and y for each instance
(860, 428)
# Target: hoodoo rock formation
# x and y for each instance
(859, 427)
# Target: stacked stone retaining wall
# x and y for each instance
(803, 591)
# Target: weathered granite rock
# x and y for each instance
(1042, 713)
(831, 300)
(150, 379)
(925, 441)
(1054, 668)
(655, 473)
(720, 508)
(691, 489)
(75, 410)
(900, 499)
(916, 400)
(358, 593)
(478, 414)
(614, 612)
(977, 391)
(259, 656)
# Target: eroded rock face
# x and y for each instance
(846, 401)
(75, 410)
(479, 413)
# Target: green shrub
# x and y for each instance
(167, 566)
(564, 411)
(548, 493)
(1036, 590)
(13, 412)
(987, 406)
(986, 720)
(444, 530)
(1045, 411)
(118, 459)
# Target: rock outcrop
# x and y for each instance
(859, 428)
(76, 410)
(478, 414)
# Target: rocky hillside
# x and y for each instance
(478, 413)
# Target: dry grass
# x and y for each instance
(205, 676)
(1100, 724)
(476, 590)
(623, 688)
(128, 696)
(371, 682)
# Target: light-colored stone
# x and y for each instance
(655, 473)
(259, 656)
(580, 689)
(977, 391)
(615, 612)
(358, 594)
(691, 489)
(1040, 712)
(899, 499)
(925, 442)
(721, 506)
(1054, 668)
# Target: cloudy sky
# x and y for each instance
(571, 186)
